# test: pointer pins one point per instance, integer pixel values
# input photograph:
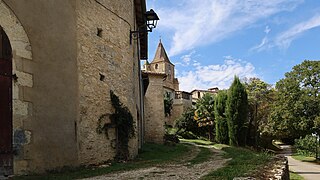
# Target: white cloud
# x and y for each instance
(284, 39)
(196, 24)
(215, 75)
(267, 30)
(262, 45)
(187, 58)
(263, 42)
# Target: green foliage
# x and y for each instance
(237, 113)
(204, 113)
(220, 118)
(306, 146)
(260, 99)
(168, 102)
(297, 108)
(204, 110)
(170, 137)
(188, 127)
(122, 120)
(103, 127)
(243, 161)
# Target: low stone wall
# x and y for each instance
(281, 168)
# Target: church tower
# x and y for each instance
(162, 64)
(160, 82)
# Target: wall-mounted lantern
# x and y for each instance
(151, 19)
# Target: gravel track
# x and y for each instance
(182, 170)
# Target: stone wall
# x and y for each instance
(43, 39)
(168, 69)
(22, 106)
(67, 56)
(169, 82)
(154, 109)
(178, 108)
(106, 61)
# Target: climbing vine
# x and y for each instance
(122, 120)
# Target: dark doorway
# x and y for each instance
(6, 155)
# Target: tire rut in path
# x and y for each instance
(183, 170)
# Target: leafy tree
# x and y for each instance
(204, 112)
(237, 113)
(260, 98)
(297, 108)
(220, 118)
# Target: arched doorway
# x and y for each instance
(6, 155)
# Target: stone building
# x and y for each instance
(198, 94)
(59, 60)
(162, 81)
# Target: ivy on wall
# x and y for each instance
(122, 121)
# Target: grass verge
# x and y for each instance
(150, 154)
(197, 141)
(305, 158)
(242, 163)
(294, 176)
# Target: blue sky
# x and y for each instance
(210, 41)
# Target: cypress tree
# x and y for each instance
(220, 118)
(237, 113)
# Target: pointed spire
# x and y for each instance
(161, 54)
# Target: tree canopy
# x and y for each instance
(296, 110)
(204, 112)
(260, 97)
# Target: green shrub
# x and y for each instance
(306, 146)
(186, 125)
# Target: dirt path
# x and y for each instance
(171, 171)
(307, 170)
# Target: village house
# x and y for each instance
(59, 59)
(199, 93)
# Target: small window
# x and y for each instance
(156, 66)
(99, 32)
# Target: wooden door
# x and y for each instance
(6, 155)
